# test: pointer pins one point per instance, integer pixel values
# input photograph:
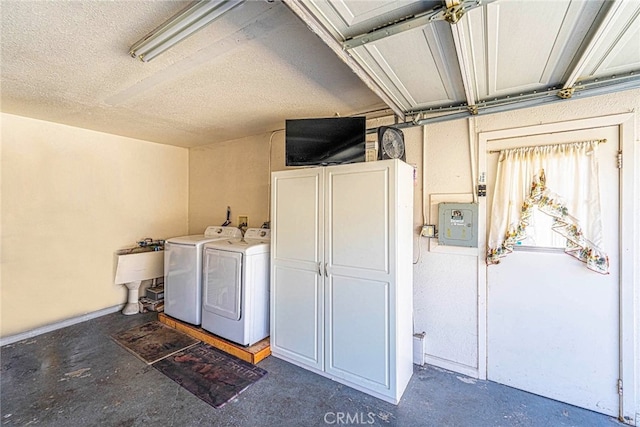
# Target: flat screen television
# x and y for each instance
(325, 141)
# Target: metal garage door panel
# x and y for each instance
(350, 18)
(417, 68)
(619, 50)
(525, 46)
(501, 53)
(417, 80)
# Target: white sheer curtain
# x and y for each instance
(559, 180)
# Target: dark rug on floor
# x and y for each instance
(153, 341)
(210, 374)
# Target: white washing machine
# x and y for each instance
(183, 272)
(235, 301)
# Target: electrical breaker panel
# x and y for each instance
(458, 224)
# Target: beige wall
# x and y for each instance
(232, 173)
(70, 198)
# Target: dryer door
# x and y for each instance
(223, 283)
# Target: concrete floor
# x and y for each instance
(78, 376)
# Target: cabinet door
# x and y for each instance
(360, 298)
(296, 252)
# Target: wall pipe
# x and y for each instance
(471, 122)
(424, 185)
(269, 185)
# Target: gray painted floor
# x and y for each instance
(78, 376)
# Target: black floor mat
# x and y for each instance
(153, 341)
(210, 374)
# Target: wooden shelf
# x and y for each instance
(252, 354)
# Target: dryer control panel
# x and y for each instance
(258, 233)
(220, 231)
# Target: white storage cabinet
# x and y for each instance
(341, 273)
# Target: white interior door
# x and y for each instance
(552, 324)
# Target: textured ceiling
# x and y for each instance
(266, 61)
(68, 62)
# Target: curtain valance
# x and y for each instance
(560, 180)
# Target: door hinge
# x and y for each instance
(620, 159)
(620, 387)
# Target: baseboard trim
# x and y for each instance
(452, 366)
(59, 325)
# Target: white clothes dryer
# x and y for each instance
(235, 301)
(183, 272)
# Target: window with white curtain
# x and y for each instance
(548, 196)
(539, 233)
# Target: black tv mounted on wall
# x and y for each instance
(325, 141)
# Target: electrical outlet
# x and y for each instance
(428, 230)
(243, 221)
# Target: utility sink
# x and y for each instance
(134, 265)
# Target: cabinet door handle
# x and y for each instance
(325, 270)
(320, 269)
